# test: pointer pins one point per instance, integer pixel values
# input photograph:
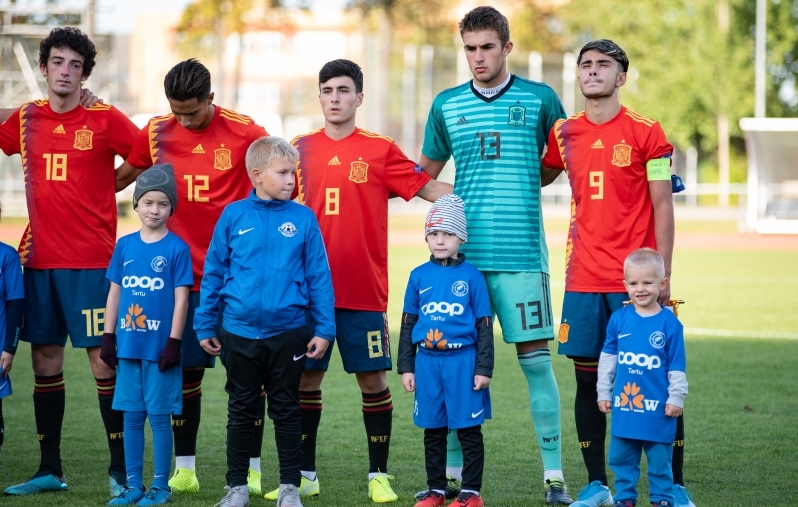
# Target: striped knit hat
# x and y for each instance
(448, 215)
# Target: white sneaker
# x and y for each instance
(288, 496)
(235, 497)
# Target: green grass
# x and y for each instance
(742, 412)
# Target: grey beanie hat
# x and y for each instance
(158, 177)
(448, 215)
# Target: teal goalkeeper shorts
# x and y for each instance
(522, 303)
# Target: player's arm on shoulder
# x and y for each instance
(434, 189)
(432, 167)
(126, 174)
(662, 201)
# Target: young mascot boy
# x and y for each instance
(266, 264)
(150, 274)
(648, 343)
(447, 317)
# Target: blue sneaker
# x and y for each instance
(594, 494)
(129, 496)
(117, 483)
(42, 482)
(682, 497)
(156, 496)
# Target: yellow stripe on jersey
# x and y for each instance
(151, 127)
(557, 126)
(639, 118)
(373, 135)
(232, 116)
(41, 102)
(99, 107)
(296, 139)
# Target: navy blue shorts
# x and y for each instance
(585, 316)
(445, 396)
(192, 355)
(142, 387)
(64, 302)
(362, 339)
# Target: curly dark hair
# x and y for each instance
(188, 80)
(69, 38)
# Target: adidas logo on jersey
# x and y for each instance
(598, 144)
(59, 130)
(198, 149)
(462, 121)
(334, 161)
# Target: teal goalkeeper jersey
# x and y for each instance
(497, 144)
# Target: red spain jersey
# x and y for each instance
(347, 184)
(68, 163)
(209, 169)
(611, 209)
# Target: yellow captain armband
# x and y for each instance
(658, 169)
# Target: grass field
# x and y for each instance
(741, 414)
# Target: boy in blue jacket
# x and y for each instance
(447, 318)
(265, 265)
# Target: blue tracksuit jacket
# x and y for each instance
(267, 264)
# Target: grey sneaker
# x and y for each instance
(235, 497)
(288, 496)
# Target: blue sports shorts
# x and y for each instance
(585, 316)
(64, 302)
(362, 339)
(141, 387)
(191, 353)
(445, 396)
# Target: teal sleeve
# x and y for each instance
(550, 112)
(437, 145)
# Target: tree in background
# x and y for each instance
(692, 60)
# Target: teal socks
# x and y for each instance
(544, 401)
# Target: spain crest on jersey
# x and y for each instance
(222, 159)
(83, 139)
(622, 155)
(359, 171)
(517, 115)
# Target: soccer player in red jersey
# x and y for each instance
(618, 165)
(68, 160)
(346, 175)
(206, 145)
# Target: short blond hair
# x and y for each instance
(646, 257)
(265, 150)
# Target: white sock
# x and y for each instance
(185, 462)
(552, 474)
(254, 464)
(373, 475)
(439, 491)
(311, 476)
(456, 472)
(470, 491)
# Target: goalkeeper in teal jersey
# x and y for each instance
(495, 127)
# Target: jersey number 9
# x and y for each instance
(597, 182)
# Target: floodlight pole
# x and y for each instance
(761, 35)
